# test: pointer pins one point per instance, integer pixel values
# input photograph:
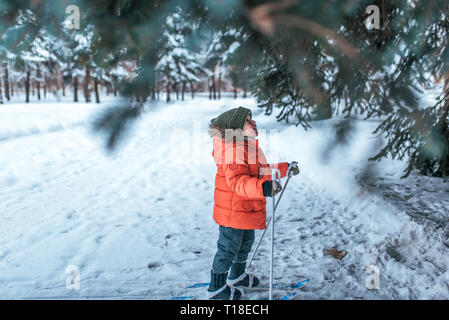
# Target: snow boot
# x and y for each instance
(219, 290)
(238, 277)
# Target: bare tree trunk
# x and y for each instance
(192, 90)
(58, 83)
(214, 88)
(38, 89)
(86, 84)
(244, 92)
(209, 84)
(27, 86)
(183, 90)
(153, 93)
(114, 85)
(235, 92)
(1, 94)
(46, 87)
(38, 83)
(168, 91)
(219, 86)
(97, 95)
(6, 81)
(63, 87)
(75, 89)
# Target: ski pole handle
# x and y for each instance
(293, 168)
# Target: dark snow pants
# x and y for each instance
(233, 247)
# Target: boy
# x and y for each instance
(242, 182)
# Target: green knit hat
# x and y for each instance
(232, 119)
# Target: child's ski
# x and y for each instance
(289, 296)
(297, 285)
(184, 298)
(281, 286)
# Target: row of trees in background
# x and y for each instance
(50, 65)
(304, 60)
(38, 81)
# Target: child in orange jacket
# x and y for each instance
(242, 183)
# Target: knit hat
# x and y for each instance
(232, 119)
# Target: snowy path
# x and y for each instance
(137, 223)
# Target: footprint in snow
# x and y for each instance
(99, 239)
(153, 265)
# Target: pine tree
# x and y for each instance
(420, 133)
(305, 60)
(178, 64)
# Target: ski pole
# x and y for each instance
(275, 171)
(268, 223)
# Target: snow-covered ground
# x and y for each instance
(137, 223)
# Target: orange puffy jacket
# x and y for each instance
(242, 168)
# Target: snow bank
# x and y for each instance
(20, 119)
